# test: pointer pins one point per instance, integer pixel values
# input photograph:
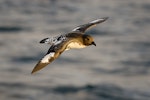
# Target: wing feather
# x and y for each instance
(48, 58)
(84, 27)
(53, 53)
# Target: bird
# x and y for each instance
(75, 39)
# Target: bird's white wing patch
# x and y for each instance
(98, 20)
(75, 29)
(47, 57)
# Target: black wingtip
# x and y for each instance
(43, 41)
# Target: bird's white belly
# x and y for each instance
(75, 45)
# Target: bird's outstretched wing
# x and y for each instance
(53, 53)
(54, 40)
(48, 58)
(84, 27)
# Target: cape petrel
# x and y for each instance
(74, 39)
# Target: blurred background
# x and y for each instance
(118, 68)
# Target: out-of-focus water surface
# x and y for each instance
(118, 68)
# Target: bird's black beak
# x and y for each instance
(93, 43)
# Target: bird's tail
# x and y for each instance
(46, 40)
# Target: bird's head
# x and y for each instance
(88, 40)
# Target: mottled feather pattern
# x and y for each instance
(75, 39)
(54, 40)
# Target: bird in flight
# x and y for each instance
(73, 40)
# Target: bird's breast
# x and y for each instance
(75, 45)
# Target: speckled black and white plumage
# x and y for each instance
(73, 40)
